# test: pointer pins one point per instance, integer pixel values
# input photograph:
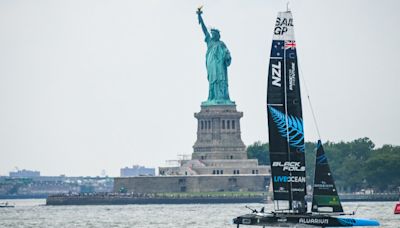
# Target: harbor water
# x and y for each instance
(34, 213)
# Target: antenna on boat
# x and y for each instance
(354, 212)
(252, 210)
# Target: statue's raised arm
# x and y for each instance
(201, 22)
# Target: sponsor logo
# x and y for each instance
(282, 219)
(313, 221)
(276, 74)
(289, 179)
(281, 190)
(281, 25)
(323, 185)
(289, 166)
(297, 189)
(292, 76)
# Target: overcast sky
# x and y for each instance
(91, 84)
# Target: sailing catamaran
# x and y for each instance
(286, 145)
(6, 205)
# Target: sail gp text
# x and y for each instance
(281, 25)
(290, 179)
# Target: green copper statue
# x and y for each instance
(218, 59)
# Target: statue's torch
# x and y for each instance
(199, 12)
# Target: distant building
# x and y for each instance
(46, 185)
(137, 171)
(25, 173)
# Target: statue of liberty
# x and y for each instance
(218, 59)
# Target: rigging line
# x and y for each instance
(308, 98)
(287, 125)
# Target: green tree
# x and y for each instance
(259, 151)
(382, 169)
(347, 161)
(355, 165)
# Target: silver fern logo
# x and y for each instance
(346, 221)
(293, 131)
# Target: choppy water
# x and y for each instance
(33, 213)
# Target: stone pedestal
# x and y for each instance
(219, 149)
(218, 133)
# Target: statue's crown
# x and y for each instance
(214, 30)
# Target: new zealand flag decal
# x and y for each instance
(293, 131)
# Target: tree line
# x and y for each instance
(356, 165)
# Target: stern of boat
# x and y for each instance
(247, 219)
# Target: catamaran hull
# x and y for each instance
(290, 220)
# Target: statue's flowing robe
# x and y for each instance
(218, 59)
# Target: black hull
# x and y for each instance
(290, 220)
